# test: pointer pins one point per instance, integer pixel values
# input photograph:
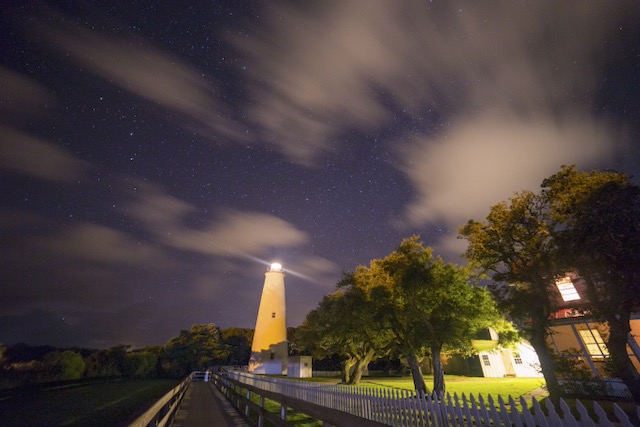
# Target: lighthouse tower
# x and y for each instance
(269, 349)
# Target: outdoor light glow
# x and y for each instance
(275, 267)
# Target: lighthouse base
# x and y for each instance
(270, 362)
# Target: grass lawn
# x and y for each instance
(294, 418)
(107, 404)
(505, 387)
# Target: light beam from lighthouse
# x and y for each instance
(269, 349)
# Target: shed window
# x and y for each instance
(485, 360)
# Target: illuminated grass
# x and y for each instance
(294, 418)
(514, 387)
(505, 387)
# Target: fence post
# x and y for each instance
(246, 403)
(261, 412)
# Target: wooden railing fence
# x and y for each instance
(404, 408)
(161, 413)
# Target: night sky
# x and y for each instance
(154, 159)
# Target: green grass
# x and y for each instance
(505, 387)
(495, 387)
(294, 418)
(108, 404)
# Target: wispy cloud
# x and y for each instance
(21, 97)
(96, 243)
(481, 161)
(311, 73)
(231, 232)
(136, 66)
(82, 267)
(514, 82)
(24, 154)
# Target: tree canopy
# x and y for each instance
(431, 305)
(515, 246)
(195, 349)
(583, 222)
(345, 324)
(409, 304)
(599, 214)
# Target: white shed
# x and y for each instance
(299, 367)
(521, 361)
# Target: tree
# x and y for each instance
(106, 363)
(142, 363)
(344, 324)
(237, 341)
(66, 365)
(515, 246)
(195, 349)
(3, 354)
(430, 304)
(599, 235)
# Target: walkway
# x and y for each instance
(204, 406)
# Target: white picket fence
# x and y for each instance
(404, 408)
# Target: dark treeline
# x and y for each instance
(200, 347)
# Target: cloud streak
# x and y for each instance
(154, 75)
(513, 86)
(100, 244)
(232, 233)
(21, 96)
(317, 72)
(27, 155)
(484, 160)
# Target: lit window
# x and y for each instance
(567, 291)
(516, 358)
(594, 343)
(485, 360)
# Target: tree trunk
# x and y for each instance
(355, 377)
(539, 343)
(358, 370)
(416, 373)
(346, 366)
(620, 364)
(438, 371)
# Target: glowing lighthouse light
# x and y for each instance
(275, 267)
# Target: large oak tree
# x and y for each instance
(588, 222)
(430, 305)
(344, 323)
(598, 214)
(514, 245)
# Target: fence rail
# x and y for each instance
(164, 409)
(403, 408)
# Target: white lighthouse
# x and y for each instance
(269, 349)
